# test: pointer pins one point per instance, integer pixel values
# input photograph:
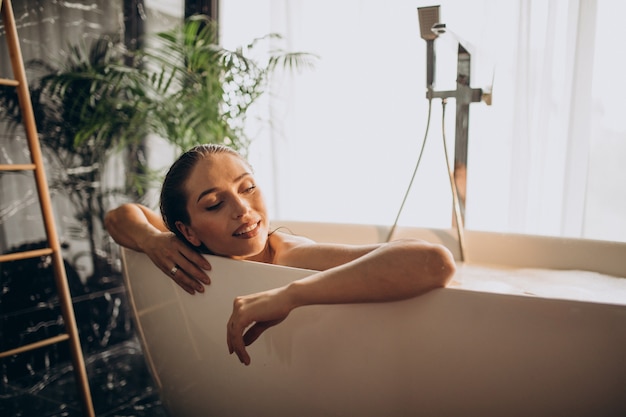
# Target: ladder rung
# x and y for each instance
(26, 348)
(30, 128)
(18, 167)
(25, 254)
(12, 83)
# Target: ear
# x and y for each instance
(188, 233)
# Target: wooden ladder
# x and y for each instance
(54, 249)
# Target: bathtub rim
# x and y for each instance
(482, 247)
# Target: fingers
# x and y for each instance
(194, 264)
(235, 341)
(256, 313)
(253, 333)
(237, 324)
(256, 330)
(187, 283)
(191, 262)
(190, 274)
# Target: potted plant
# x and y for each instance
(191, 90)
(184, 88)
(62, 101)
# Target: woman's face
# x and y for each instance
(226, 210)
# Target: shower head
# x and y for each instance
(428, 17)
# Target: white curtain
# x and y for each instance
(344, 137)
(551, 123)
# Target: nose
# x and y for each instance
(241, 207)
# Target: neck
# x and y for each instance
(265, 256)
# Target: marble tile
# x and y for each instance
(41, 383)
(30, 311)
(119, 381)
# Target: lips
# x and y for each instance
(248, 230)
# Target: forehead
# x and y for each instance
(215, 170)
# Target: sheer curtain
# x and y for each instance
(343, 138)
(551, 124)
(605, 200)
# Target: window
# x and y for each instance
(344, 137)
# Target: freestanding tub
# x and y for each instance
(482, 347)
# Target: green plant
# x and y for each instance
(185, 88)
(64, 100)
(195, 91)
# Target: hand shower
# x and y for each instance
(430, 29)
(428, 18)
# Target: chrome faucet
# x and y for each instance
(430, 29)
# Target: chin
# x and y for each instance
(249, 249)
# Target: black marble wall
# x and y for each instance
(30, 311)
(40, 382)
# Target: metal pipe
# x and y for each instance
(464, 96)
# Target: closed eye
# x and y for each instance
(214, 206)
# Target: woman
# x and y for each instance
(210, 203)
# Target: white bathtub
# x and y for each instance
(459, 351)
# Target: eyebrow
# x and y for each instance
(212, 190)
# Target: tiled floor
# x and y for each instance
(119, 381)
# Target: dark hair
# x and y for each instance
(173, 194)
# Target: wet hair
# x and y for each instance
(173, 194)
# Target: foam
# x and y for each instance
(547, 283)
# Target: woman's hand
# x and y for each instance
(139, 228)
(178, 261)
(262, 310)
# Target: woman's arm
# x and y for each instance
(130, 225)
(139, 228)
(387, 272)
(300, 252)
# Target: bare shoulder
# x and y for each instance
(302, 252)
(283, 242)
